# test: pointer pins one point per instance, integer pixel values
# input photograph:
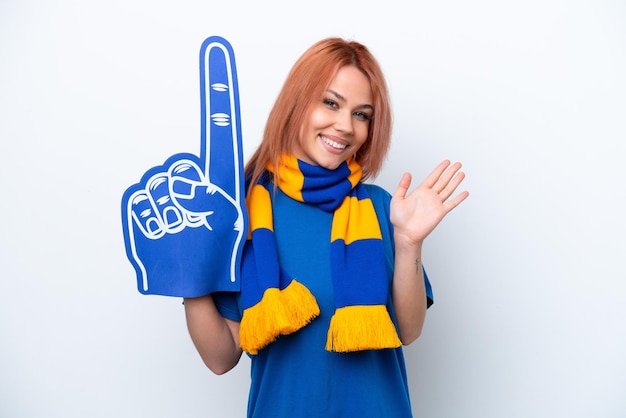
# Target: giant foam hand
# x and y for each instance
(185, 222)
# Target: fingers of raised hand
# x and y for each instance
(456, 201)
(443, 181)
(448, 183)
(403, 186)
(435, 176)
(445, 178)
(444, 173)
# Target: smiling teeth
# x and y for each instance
(333, 144)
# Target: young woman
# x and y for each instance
(332, 276)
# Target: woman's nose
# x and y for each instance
(344, 122)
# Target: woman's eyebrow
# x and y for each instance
(337, 95)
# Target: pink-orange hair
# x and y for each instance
(306, 83)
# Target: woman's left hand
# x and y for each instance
(415, 215)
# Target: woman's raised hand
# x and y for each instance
(415, 215)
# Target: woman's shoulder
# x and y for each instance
(380, 197)
(377, 192)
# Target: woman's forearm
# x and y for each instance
(215, 337)
(409, 293)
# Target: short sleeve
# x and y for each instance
(227, 304)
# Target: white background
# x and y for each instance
(528, 273)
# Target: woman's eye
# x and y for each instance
(362, 115)
(330, 103)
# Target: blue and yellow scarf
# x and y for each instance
(276, 304)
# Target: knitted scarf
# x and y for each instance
(276, 304)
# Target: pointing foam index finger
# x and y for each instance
(221, 145)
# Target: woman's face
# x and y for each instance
(338, 123)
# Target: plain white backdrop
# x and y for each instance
(528, 273)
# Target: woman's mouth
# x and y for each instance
(333, 144)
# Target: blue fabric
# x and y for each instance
(296, 377)
(271, 308)
(317, 187)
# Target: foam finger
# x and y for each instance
(142, 212)
(221, 150)
(158, 190)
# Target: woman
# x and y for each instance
(332, 277)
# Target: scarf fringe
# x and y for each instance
(361, 327)
(280, 312)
